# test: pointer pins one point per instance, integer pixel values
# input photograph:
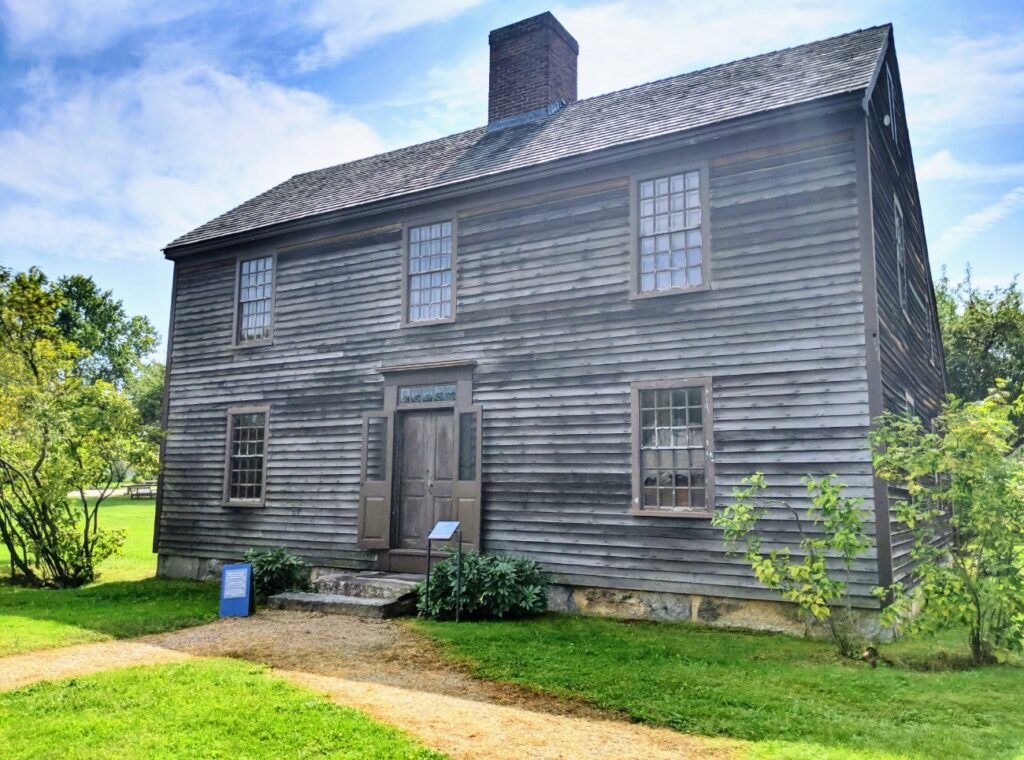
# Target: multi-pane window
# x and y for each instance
(246, 455)
(673, 449)
(255, 299)
(671, 244)
(425, 394)
(430, 272)
(901, 258)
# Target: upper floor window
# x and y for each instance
(672, 233)
(255, 299)
(430, 273)
(672, 445)
(246, 456)
(890, 87)
(901, 258)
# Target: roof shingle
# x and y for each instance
(753, 85)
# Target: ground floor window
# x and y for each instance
(672, 445)
(246, 455)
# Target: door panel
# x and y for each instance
(426, 464)
(374, 528)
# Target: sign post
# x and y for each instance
(236, 598)
(444, 531)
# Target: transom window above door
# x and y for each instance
(430, 273)
(671, 234)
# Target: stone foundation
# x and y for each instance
(188, 568)
(718, 612)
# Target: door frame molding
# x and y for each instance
(459, 373)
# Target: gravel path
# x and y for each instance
(391, 673)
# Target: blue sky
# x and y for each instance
(125, 123)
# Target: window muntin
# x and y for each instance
(255, 299)
(430, 272)
(673, 449)
(246, 456)
(426, 394)
(901, 258)
(670, 232)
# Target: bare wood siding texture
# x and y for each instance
(905, 354)
(544, 308)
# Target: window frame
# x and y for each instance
(439, 218)
(636, 507)
(700, 166)
(899, 225)
(237, 327)
(232, 412)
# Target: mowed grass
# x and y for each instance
(790, 697)
(208, 708)
(125, 601)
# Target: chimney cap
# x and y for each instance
(517, 28)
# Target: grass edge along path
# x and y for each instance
(199, 708)
(790, 697)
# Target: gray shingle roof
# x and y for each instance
(753, 85)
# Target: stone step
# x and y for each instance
(343, 604)
(369, 586)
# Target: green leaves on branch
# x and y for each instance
(493, 586)
(836, 532)
(960, 495)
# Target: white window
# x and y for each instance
(671, 232)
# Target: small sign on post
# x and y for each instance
(236, 598)
(445, 531)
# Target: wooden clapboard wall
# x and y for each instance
(908, 362)
(544, 308)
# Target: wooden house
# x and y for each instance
(574, 330)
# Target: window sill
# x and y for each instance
(637, 296)
(254, 344)
(428, 322)
(242, 504)
(703, 515)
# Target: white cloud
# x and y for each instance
(54, 27)
(118, 167)
(943, 165)
(348, 25)
(965, 83)
(975, 224)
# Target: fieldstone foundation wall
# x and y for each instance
(188, 568)
(719, 612)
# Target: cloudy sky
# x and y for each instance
(125, 123)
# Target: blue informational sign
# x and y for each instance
(236, 598)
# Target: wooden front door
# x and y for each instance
(426, 475)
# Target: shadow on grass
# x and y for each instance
(39, 618)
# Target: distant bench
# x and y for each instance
(145, 490)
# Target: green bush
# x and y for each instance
(275, 571)
(493, 587)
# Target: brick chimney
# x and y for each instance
(533, 70)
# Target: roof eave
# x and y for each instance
(831, 103)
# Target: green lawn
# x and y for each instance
(210, 709)
(125, 601)
(791, 697)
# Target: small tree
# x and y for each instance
(60, 438)
(838, 531)
(963, 503)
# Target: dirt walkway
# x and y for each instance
(392, 674)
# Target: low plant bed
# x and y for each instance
(791, 697)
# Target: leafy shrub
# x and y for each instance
(838, 530)
(275, 571)
(493, 587)
(962, 487)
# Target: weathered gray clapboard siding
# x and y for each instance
(544, 308)
(903, 344)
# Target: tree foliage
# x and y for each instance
(113, 344)
(61, 434)
(146, 390)
(983, 337)
(838, 531)
(963, 503)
